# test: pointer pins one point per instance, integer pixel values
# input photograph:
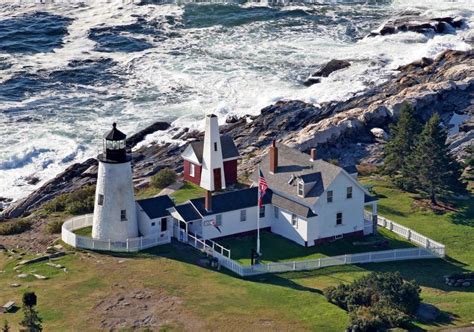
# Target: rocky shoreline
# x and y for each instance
(351, 131)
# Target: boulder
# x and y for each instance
(32, 179)
(418, 24)
(311, 80)
(331, 67)
(379, 133)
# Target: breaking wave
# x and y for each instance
(67, 71)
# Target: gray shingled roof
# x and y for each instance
(188, 212)
(292, 206)
(229, 150)
(293, 162)
(311, 177)
(231, 201)
(156, 207)
(369, 199)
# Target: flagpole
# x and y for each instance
(258, 213)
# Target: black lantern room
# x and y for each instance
(114, 147)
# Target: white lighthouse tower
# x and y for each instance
(212, 174)
(115, 216)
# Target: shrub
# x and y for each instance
(54, 226)
(377, 301)
(77, 202)
(164, 178)
(14, 227)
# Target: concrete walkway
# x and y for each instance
(170, 189)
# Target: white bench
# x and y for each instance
(7, 306)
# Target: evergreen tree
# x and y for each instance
(470, 160)
(5, 327)
(437, 172)
(399, 149)
(31, 321)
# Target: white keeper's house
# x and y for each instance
(308, 200)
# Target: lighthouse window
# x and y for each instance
(215, 146)
(100, 200)
(123, 215)
(191, 170)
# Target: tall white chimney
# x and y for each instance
(212, 175)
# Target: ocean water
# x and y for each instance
(69, 69)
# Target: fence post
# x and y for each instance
(294, 265)
(109, 244)
(409, 235)
(370, 257)
(345, 259)
(127, 244)
(141, 242)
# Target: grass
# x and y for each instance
(86, 231)
(278, 249)
(186, 192)
(220, 301)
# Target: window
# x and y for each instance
(294, 220)
(153, 224)
(276, 210)
(243, 215)
(300, 189)
(215, 146)
(329, 195)
(262, 211)
(192, 170)
(218, 219)
(339, 218)
(123, 215)
(164, 224)
(100, 201)
(349, 192)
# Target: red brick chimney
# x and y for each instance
(208, 201)
(273, 158)
(314, 154)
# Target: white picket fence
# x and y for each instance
(429, 249)
(212, 249)
(84, 242)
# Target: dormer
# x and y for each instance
(306, 182)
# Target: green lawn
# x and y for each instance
(186, 192)
(86, 231)
(278, 249)
(220, 301)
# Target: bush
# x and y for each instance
(14, 227)
(377, 301)
(164, 178)
(54, 226)
(77, 202)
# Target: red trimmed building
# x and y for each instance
(212, 163)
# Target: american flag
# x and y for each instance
(262, 188)
(214, 223)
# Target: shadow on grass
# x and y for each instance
(465, 214)
(276, 248)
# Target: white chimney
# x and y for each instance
(212, 175)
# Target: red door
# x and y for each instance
(217, 179)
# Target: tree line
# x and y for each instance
(417, 158)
